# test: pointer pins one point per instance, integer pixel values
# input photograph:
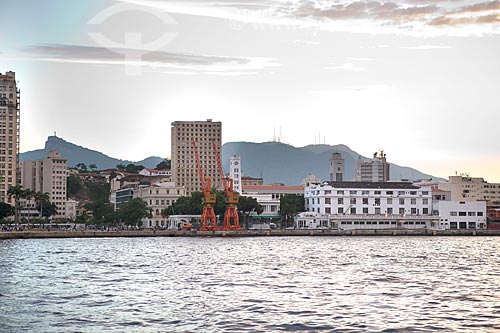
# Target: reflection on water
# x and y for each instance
(308, 284)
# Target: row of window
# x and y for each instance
(365, 201)
(382, 222)
(366, 192)
(377, 211)
(466, 213)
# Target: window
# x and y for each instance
(401, 211)
(340, 201)
(413, 211)
(328, 210)
(479, 213)
(453, 213)
(401, 201)
(389, 201)
(389, 210)
(462, 213)
(413, 192)
(389, 192)
(378, 192)
(425, 201)
(327, 201)
(340, 192)
(353, 210)
(365, 192)
(353, 192)
(413, 201)
(425, 211)
(425, 192)
(377, 201)
(365, 210)
(401, 192)
(365, 201)
(340, 210)
(471, 213)
(353, 201)
(463, 225)
(377, 210)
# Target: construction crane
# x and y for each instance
(232, 198)
(208, 218)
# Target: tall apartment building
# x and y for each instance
(9, 134)
(374, 170)
(184, 169)
(47, 176)
(336, 168)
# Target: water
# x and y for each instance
(307, 284)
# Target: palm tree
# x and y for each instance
(17, 192)
(28, 195)
(41, 199)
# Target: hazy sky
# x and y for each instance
(417, 78)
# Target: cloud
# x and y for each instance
(192, 63)
(426, 47)
(411, 17)
(346, 67)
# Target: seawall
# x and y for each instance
(245, 233)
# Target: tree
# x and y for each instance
(17, 192)
(290, 205)
(93, 167)
(186, 205)
(133, 211)
(43, 204)
(82, 167)
(120, 167)
(73, 185)
(165, 164)
(6, 210)
(247, 205)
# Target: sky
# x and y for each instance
(419, 79)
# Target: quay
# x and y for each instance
(29, 234)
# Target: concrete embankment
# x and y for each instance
(245, 233)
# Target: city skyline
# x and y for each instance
(415, 78)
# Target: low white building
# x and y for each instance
(462, 214)
(311, 220)
(154, 172)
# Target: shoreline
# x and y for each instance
(245, 233)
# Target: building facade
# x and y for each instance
(374, 170)
(47, 176)
(9, 134)
(462, 214)
(235, 172)
(336, 168)
(465, 188)
(184, 169)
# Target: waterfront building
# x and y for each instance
(311, 220)
(465, 188)
(268, 196)
(462, 214)
(48, 176)
(235, 172)
(337, 168)
(374, 170)
(157, 196)
(370, 204)
(184, 169)
(9, 134)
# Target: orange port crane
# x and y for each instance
(208, 218)
(232, 198)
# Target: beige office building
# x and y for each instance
(9, 134)
(47, 176)
(184, 169)
(465, 188)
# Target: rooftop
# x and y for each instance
(385, 185)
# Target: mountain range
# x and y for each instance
(281, 163)
(77, 154)
(274, 161)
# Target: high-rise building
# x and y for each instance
(9, 134)
(374, 170)
(336, 168)
(184, 169)
(47, 176)
(235, 172)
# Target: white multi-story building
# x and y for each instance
(462, 214)
(465, 188)
(47, 176)
(352, 205)
(235, 172)
(167, 173)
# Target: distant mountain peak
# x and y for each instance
(77, 154)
